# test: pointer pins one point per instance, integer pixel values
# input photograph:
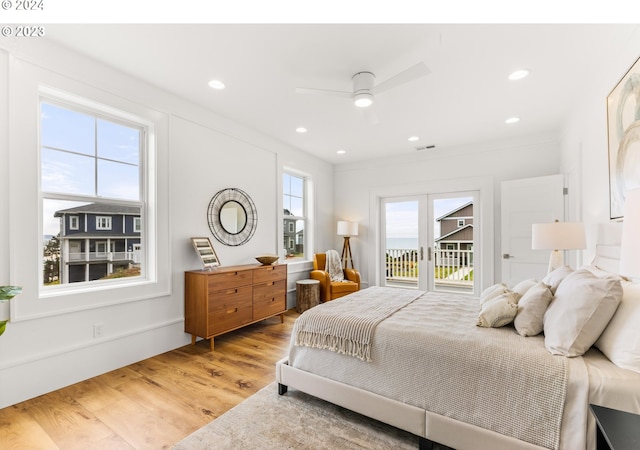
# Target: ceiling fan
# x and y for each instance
(364, 87)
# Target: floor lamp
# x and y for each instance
(557, 236)
(347, 229)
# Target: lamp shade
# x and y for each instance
(630, 250)
(558, 236)
(346, 228)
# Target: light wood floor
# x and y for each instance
(154, 403)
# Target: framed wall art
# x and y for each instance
(205, 251)
(623, 127)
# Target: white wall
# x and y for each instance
(200, 153)
(481, 167)
(585, 142)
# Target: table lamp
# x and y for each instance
(557, 236)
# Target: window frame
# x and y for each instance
(146, 130)
(137, 224)
(108, 223)
(306, 218)
(74, 222)
(461, 223)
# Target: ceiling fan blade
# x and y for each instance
(324, 92)
(412, 73)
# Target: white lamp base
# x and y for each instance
(555, 260)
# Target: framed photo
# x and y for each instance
(205, 251)
(623, 127)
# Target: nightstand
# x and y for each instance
(617, 430)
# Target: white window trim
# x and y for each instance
(137, 224)
(107, 223)
(74, 222)
(461, 223)
(26, 252)
(308, 195)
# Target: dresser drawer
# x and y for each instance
(225, 316)
(269, 273)
(231, 279)
(230, 296)
(267, 307)
(269, 290)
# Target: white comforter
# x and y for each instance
(430, 354)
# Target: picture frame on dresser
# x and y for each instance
(205, 251)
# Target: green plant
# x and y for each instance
(6, 294)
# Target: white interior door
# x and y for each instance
(525, 202)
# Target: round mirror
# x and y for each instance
(232, 217)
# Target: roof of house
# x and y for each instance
(99, 208)
(454, 211)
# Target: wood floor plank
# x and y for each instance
(19, 430)
(139, 427)
(154, 403)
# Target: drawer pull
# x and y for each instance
(231, 291)
(231, 311)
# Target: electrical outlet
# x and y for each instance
(97, 330)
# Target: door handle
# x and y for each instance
(506, 256)
(421, 253)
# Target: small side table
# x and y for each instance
(307, 294)
(617, 430)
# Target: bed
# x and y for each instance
(430, 370)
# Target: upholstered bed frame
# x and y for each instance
(429, 427)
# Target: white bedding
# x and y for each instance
(420, 382)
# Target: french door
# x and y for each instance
(428, 242)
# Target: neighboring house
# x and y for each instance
(456, 235)
(97, 240)
(293, 241)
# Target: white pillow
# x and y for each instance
(529, 320)
(554, 278)
(620, 341)
(522, 287)
(579, 312)
(492, 292)
(498, 312)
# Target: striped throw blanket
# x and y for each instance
(344, 326)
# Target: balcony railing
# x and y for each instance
(454, 267)
(103, 256)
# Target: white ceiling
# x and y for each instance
(465, 99)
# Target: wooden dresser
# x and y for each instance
(227, 298)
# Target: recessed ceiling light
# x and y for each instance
(518, 74)
(341, 152)
(413, 138)
(511, 120)
(301, 130)
(216, 84)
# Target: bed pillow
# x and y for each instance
(492, 292)
(522, 287)
(620, 341)
(529, 320)
(554, 278)
(498, 312)
(581, 309)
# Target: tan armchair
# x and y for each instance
(330, 290)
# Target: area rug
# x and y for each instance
(295, 420)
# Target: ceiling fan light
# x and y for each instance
(363, 100)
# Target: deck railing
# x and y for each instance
(102, 256)
(454, 266)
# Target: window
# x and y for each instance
(90, 166)
(74, 222)
(460, 223)
(294, 215)
(103, 223)
(137, 224)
